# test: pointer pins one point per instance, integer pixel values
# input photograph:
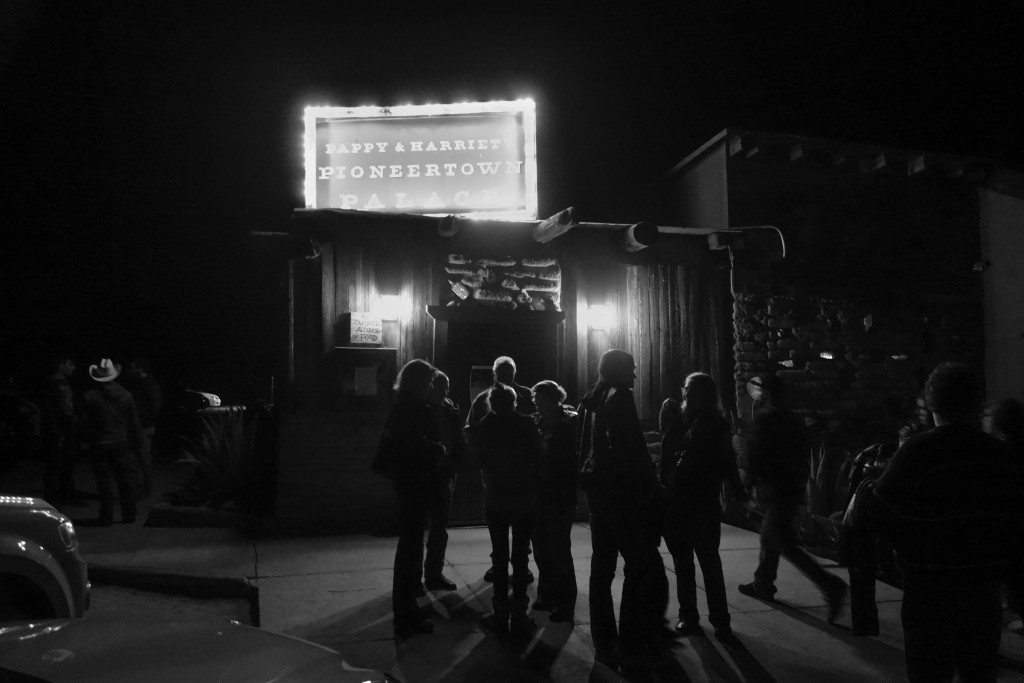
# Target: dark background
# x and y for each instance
(140, 141)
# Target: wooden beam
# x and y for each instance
(639, 236)
(559, 224)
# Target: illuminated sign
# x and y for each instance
(471, 159)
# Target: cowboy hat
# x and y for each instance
(106, 371)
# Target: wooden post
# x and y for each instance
(559, 224)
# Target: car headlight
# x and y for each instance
(68, 535)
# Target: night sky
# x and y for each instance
(142, 141)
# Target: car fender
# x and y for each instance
(24, 557)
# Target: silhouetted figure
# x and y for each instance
(114, 434)
(697, 457)
(504, 370)
(618, 477)
(139, 380)
(950, 498)
(508, 446)
(556, 503)
(410, 431)
(447, 424)
(779, 470)
(59, 440)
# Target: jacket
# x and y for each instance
(949, 501)
(508, 447)
(410, 427)
(778, 457)
(112, 416)
(696, 457)
(557, 468)
(616, 469)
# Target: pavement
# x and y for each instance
(336, 591)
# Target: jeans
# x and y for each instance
(500, 521)
(112, 464)
(779, 538)
(690, 532)
(439, 510)
(644, 588)
(552, 549)
(951, 625)
(412, 518)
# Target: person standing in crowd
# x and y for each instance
(556, 503)
(445, 414)
(410, 434)
(950, 501)
(59, 440)
(779, 470)
(618, 476)
(504, 371)
(697, 457)
(508, 446)
(114, 434)
(139, 380)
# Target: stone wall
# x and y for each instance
(853, 370)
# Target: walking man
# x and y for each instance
(779, 470)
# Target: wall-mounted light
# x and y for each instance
(393, 307)
(600, 317)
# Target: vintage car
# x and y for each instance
(112, 650)
(42, 575)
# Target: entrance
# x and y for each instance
(464, 339)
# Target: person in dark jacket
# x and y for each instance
(412, 435)
(950, 501)
(618, 476)
(447, 424)
(504, 371)
(697, 457)
(59, 440)
(779, 470)
(114, 434)
(139, 380)
(556, 503)
(508, 446)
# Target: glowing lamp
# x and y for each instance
(600, 317)
(393, 307)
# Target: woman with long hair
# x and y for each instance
(697, 456)
(411, 434)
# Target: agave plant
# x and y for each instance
(219, 467)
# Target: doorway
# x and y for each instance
(476, 338)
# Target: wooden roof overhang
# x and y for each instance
(560, 236)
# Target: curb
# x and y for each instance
(180, 583)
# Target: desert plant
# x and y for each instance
(219, 464)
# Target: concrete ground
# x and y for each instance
(336, 591)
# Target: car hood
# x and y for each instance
(112, 650)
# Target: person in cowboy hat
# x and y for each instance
(114, 433)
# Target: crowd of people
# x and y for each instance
(111, 419)
(945, 499)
